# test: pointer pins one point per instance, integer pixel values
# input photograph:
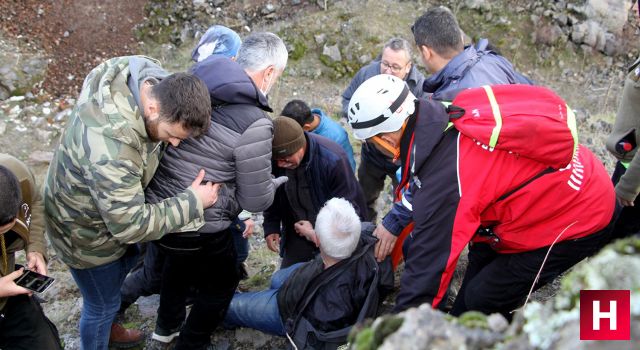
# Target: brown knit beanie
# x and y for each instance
(288, 137)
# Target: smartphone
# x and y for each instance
(34, 281)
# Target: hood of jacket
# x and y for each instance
(106, 105)
(232, 87)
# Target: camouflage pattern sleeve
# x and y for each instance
(117, 191)
(37, 242)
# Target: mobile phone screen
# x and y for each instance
(34, 281)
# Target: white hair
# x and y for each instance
(261, 50)
(338, 228)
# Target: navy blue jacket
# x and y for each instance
(475, 66)
(328, 174)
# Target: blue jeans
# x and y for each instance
(100, 289)
(259, 310)
(237, 227)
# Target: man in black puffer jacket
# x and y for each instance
(235, 152)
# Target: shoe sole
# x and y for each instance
(126, 345)
(164, 338)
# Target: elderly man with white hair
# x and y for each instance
(329, 292)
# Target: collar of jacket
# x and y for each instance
(455, 69)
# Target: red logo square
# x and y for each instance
(605, 315)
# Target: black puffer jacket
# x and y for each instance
(235, 151)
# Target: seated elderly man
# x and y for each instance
(334, 285)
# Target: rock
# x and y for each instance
(548, 34)
(333, 52)
(257, 339)
(3, 127)
(426, 328)
(217, 3)
(482, 5)
(268, 8)
(20, 69)
(320, 38)
(497, 322)
(41, 157)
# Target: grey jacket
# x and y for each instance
(235, 151)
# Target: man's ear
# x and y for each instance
(152, 109)
(425, 52)
(306, 127)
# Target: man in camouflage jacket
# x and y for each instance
(22, 323)
(94, 192)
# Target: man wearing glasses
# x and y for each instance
(375, 166)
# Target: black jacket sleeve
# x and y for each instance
(435, 202)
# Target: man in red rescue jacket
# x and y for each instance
(511, 209)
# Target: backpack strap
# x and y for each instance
(519, 187)
(313, 288)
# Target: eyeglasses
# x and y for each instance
(393, 67)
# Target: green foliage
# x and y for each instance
(364, 340)
(473, 319)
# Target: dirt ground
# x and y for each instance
(76, 35)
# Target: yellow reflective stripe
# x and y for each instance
(496, 115)
(625, 164)
(449, 126)
(573, 127)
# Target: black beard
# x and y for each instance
(151, 126)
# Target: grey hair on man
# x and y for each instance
(261, 50)
(338, 228)
(399, 44)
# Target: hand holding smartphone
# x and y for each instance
(34, 281)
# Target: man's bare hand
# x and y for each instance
(248, 228)
(305, 229)
(9, 288)
(207, 192)
(273, 242)
(624, 202)
(386, 242)
(35, 262)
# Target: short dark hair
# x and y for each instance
(10, 196)
(298, 111)
(184, 99)
(438, 29)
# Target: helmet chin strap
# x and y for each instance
(394, 150)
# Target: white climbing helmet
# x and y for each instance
(380, 104)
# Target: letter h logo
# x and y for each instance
(605, 315)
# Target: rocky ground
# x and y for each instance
(578, 48)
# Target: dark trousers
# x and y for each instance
(500, 282)
(23, 326)
(146, 277)
(371, 177)
(629, 220)
(208, 263)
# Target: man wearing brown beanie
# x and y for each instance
(318, 170)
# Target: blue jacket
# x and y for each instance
(333, 131)
(327, 174)
(475, 66)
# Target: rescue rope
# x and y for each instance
(542, 265)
